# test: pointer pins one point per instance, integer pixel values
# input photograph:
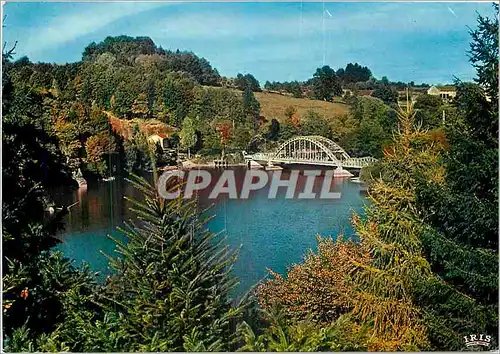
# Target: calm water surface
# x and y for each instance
(272, 233)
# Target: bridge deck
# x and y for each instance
(353, 162)
(312, 150)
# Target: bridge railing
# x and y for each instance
(353, 162)
(359, 161)
(310, 150)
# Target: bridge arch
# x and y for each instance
(333, 146)
(313, 147)
(311, 150)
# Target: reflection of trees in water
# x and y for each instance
(102, 205)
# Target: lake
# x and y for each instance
(272, 233)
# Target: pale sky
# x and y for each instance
(421, 42)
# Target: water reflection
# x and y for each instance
(272, 233)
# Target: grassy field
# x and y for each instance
(273, 105)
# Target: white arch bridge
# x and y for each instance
(311, 150)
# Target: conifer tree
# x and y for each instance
(410, 305)
(282, 333)
(463, 209)
(251, 105)
(170, 289)
(140, 105)
(391, 235)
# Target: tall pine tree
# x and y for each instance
(391, 235)
(464, 209)
(171, 287)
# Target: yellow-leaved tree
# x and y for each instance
(391, 234)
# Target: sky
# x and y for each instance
(420, 41)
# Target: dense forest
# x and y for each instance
(131, 81)
(422, 274)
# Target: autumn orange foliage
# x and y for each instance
(438, 137)
(318, 288)
(296, 121)
(225, 131)
(97, 145)
(125, 127)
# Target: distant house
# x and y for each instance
(445, 92)
(161, 138)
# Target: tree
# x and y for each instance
(292, 116)
(429, 110)
(137, 154)
(121, 46)
(178, 93)
(296, 89)
(251, 106)
(464, 206)
(371, 138)
(140, 106)
(386, 94)
(243, 81)
(340, 74)
(70, 144)
(290, 111)
(242, 136)
(326, 84)
(354, 73)
(376, 123)
(414, 263)
(293, 87)
(343, 129)
(318, 288)
(240, 82)
(122, 100)
(281, 334)
(170, 288)
(484, 53)
(274, 130)
(391, 235)
(35, 280)
(315, 124)
(225, 130)
(427, 102)
(158, 153)
(97, 146)
(188, 134)
(287, 131)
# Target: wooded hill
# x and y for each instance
(132, 78)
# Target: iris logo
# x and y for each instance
(477, 339)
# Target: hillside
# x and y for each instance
(125, 127)
(273, 105)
